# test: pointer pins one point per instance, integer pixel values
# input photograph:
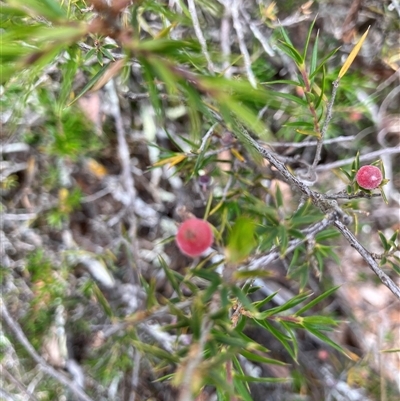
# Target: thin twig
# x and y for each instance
(20, 336)
(324, 128)
(14, 147)
(123, 149)
(131, 200)
(135, 375)
(14, 169)
(369, 156)
(326, 205)
(17, 383)
(358, 195)
(17, 217)
(199, 34)
(206, 137)
(225, 39)
(194, 359)
(242, 45)
(216, 152)
(385, 279)
(275, 253)
(396, 6)
(6, 396)
(258, 34)
(309, 143)
(142, 316)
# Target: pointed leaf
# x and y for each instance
(352, 55)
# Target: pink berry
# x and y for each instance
(194, 237)
(369, 177)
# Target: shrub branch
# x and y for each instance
(20, 336)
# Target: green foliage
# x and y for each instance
(194, 320)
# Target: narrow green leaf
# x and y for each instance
(314, 56)
(49, 9)
(297, 299)
(304, 124)
(282, 338)
(326, 234)
(242, 389)
(107, 53)
(308, 39)
(282, 82)
(391, 350)
(323, 84)
(259, 358)
(252, 379)
(154, 351)
(292, 336)
(263, 302)
(228, 339)
(319, 322)
(249, 274)
(285, 36)
(170, 276)
(278, 197)
(393, 238)
(383, 239)
(91, 83)
(247, 304)
(317, 300)
(323, 62)
(293, 98)
(292, 53)
(326, 340)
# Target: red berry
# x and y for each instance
(369, 177)
(194, 237)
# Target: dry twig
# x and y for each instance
(20, 336)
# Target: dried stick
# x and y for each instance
(325, 205)
(242, 45)
(20, 336)
(225, 39)
(275, 253)
(206, 137)
(358, 195)
(194, 359)
(17, 383)
(258, 34)
(135, 375)
(328, 118)
(131, 201)
(6, 396)
(369, 156)
(123, 149)
(311, 143)
(199, 34)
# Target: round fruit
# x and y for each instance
(194, 237)
(369, 177)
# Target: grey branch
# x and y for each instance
(199, 34)
(20, 336)
(195, 355)
(242, 45)
(328, 118)
(369, 156)
(385, 279)
(326, 206)
(275, 254)
(311, 143)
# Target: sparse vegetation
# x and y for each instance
(126, 124)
